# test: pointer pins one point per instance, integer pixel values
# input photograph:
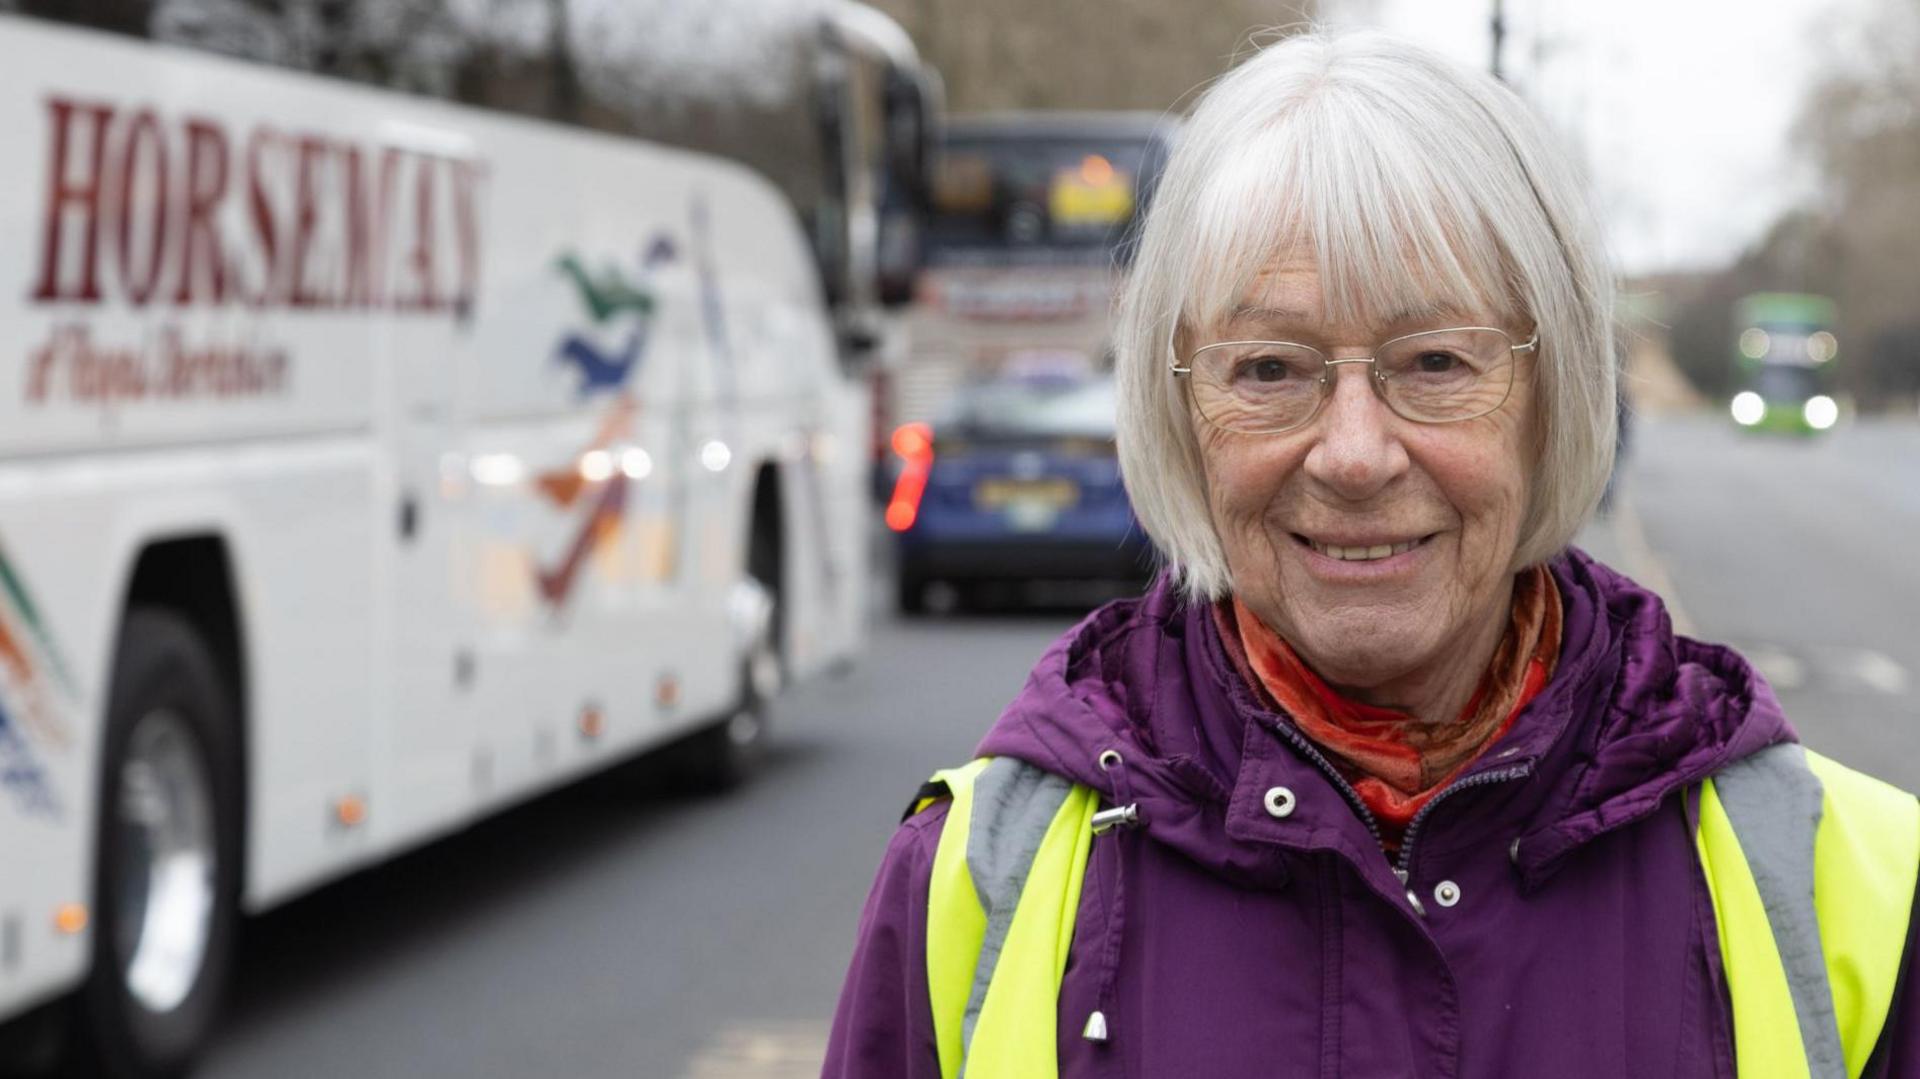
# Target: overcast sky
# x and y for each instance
(1681, 107)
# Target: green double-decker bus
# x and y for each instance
(1784, 353)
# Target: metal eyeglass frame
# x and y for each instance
(1378, 380)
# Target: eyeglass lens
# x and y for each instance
(1438, 377)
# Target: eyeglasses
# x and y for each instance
(1437, 376)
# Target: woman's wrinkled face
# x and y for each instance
(1359, 477)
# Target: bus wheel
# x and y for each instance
(166, 879)
(728, 752)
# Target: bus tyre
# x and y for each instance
(727, 753)
(166, 880)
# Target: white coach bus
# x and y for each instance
(369, 462)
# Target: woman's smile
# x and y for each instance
(1370, 558)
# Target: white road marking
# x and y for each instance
(761, 1051)
(1856, 668)
(1881, 672)
(1782, 670)
(1827, 669)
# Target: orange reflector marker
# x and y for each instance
(593, 722)
(666, 692)
(70, 918)
(350, 811)
(914, 443)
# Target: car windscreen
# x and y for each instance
(1034, 200)
(1024, 410)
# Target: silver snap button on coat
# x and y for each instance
(1280, 802)
(1446, 893)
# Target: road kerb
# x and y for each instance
(1643, 565)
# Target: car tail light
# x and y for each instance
(914, 443)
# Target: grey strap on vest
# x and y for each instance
(1013, 805)
(1773, 801)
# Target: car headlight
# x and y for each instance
(1748, 408)
(1820, 411)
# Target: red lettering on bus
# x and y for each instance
(201, 256)
(420, 259)
(368, 220)
(64, 195)
(310, 156)
(290, 218)
(43, 361)
(265, 229)
(141, 193)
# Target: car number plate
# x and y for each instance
(1000, 493)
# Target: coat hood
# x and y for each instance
(1140, 702)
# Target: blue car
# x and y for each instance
(1018, 482)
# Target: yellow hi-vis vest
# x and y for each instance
(1812, 869)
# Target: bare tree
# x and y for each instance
(121, 16)
(1861, 126)
(410, 45)
(1857, 239)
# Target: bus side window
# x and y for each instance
(904, 192)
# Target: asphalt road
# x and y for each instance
(1801, 554)
(616, 930)
(621, 930)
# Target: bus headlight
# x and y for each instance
(1820, 412)
(1748, 408)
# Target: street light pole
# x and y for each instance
(1499, 22)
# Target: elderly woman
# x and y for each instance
(1382, 779)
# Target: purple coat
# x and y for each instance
(1223, 941)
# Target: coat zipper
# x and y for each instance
(1308, 750)
(1404, 869)
(1311, 752)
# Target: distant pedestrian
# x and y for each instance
(1382, 778)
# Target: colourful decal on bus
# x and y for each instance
(598, 475)
(604, 370)
(30, 662)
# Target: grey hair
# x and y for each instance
(1414, 184)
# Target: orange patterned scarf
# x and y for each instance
(1396, 763)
